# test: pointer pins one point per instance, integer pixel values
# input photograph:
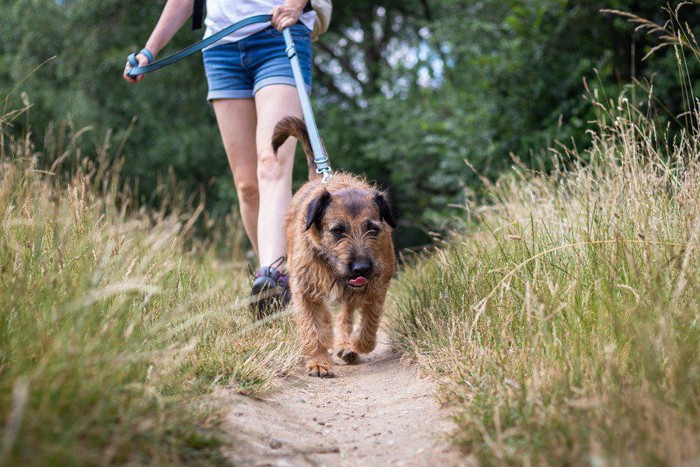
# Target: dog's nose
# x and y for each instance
(361, 268)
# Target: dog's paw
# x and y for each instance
(318, 369)
(360, 346)
(348, 356)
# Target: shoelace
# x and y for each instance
(276, 264)
(273, 270)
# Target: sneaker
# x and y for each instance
(270, 290)
(283, 283)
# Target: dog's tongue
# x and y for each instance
(358, 281)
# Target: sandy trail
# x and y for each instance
(374, 413)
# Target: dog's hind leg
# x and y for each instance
(316, 324)
(344, 323)
(364, 339)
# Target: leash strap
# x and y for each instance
(147, 53)
(320, 157)
(196, 47)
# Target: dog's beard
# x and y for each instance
(341, 278)
(340, 274)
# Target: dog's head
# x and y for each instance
(350, 229)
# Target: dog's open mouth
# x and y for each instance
(357, 282)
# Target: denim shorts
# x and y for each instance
(237, 70)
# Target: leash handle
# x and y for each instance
(132, 57)
(196, 47)
(320, 157)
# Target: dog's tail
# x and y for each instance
(293, 126)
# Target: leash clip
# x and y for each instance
(291, 51)
(327, 176)
(322, 167)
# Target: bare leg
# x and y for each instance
(237, 120)
(364, 339)
(274, 173)
(316, 325)
(343, 324)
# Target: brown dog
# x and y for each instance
(338, 245)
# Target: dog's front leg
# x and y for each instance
(344, 323)
(316, 325)
(364, 339)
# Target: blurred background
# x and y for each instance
(405, 92)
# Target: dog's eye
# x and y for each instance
(372, 228)
(338, 231)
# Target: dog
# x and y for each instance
(339, 246)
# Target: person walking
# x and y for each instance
(251, 88)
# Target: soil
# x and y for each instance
(375, 412)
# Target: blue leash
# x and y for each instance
(194, 48)
(320, 157)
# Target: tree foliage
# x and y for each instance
(405, 91)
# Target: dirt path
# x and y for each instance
(377, 412)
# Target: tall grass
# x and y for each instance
(565, 320)
(114, 320)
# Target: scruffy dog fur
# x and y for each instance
(338, 246)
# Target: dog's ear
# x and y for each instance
(316, 209)
(384, 209)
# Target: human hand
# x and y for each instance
(285, 15)
(142, 61)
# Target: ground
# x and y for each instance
(375, 412)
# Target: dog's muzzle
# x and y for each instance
(360, 271)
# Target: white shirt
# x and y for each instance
(223, 13)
